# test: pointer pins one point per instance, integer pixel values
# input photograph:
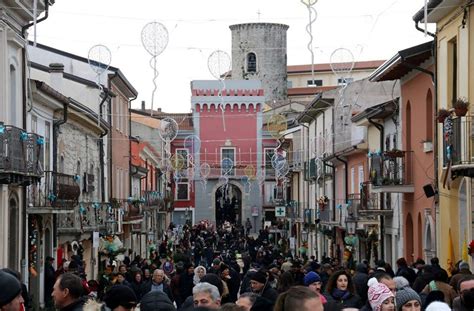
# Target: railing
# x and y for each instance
(391, 168)
(21, 154)
(56, 190)
(152, 198)
(369, 201)
(296, 159)
(459, 137)
(87, 217)
(133, 212)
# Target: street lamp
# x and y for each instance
(304, 236)
(351, 224)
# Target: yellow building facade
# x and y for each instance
(455, 162)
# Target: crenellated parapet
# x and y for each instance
(233, 95)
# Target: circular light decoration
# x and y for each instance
(283, 170)
(249, 171)
(154, 38)
(276, 124)
(341, 62)
(192, 143)
(219, 64)
(168, 129)
(177, 161)
(309, 2)
(99, 58)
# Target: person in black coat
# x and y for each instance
(259, 285)
(139, 286)
(186, 282)
(405, 271)
(360, 281)
(49, 280)
(340, 289)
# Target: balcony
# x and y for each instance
(133, 214)
(21, 156)
(391, 172)
(55, 194)
(460, 139)
(369, 204)
(297, 160)
(86, 217)
(152, 199)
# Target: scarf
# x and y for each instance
(340, 294)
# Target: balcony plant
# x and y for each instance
(460, 106)
(443, 114)
(394, 153)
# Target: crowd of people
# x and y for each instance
(224, 268)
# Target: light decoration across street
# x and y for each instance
(99, 59)
(154, 38)
(342, 63)
(219, 65)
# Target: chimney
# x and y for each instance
(143, 105)
(56, 71)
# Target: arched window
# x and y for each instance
(13, 87)
(61, 164)
(251, 62)
(429, 116)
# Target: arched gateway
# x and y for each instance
(228, 200)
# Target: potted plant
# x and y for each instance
(443, 114)
(460, 106)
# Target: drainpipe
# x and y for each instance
(56, 125)
(380, 127)
(46, 11)
(24, 245)
(107, 96)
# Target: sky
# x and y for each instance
(370, 29)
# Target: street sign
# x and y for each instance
(280, 211)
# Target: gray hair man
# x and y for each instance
(206, 295)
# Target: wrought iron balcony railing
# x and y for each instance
(21, 156)
(87, 217)
(458, 141)
(391, 171)
(56, 190)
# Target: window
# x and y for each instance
(314, 83)
(182, 163)
(352, 179)
(269, 171)
(61, 164)
(270, 192)
(47, 145)
(289, 84)
(361, 174)
(453, 67)
(34, 124)
(251, 62)
(13, 89)
(13, 229)
(228, 167)
(182, 191)
(343, 81)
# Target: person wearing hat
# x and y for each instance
(259, 285)
(156, 301)
(313, 281)
(381, 297)
(408, 300)
(67, 293)
(120, 298)
(10, 293)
